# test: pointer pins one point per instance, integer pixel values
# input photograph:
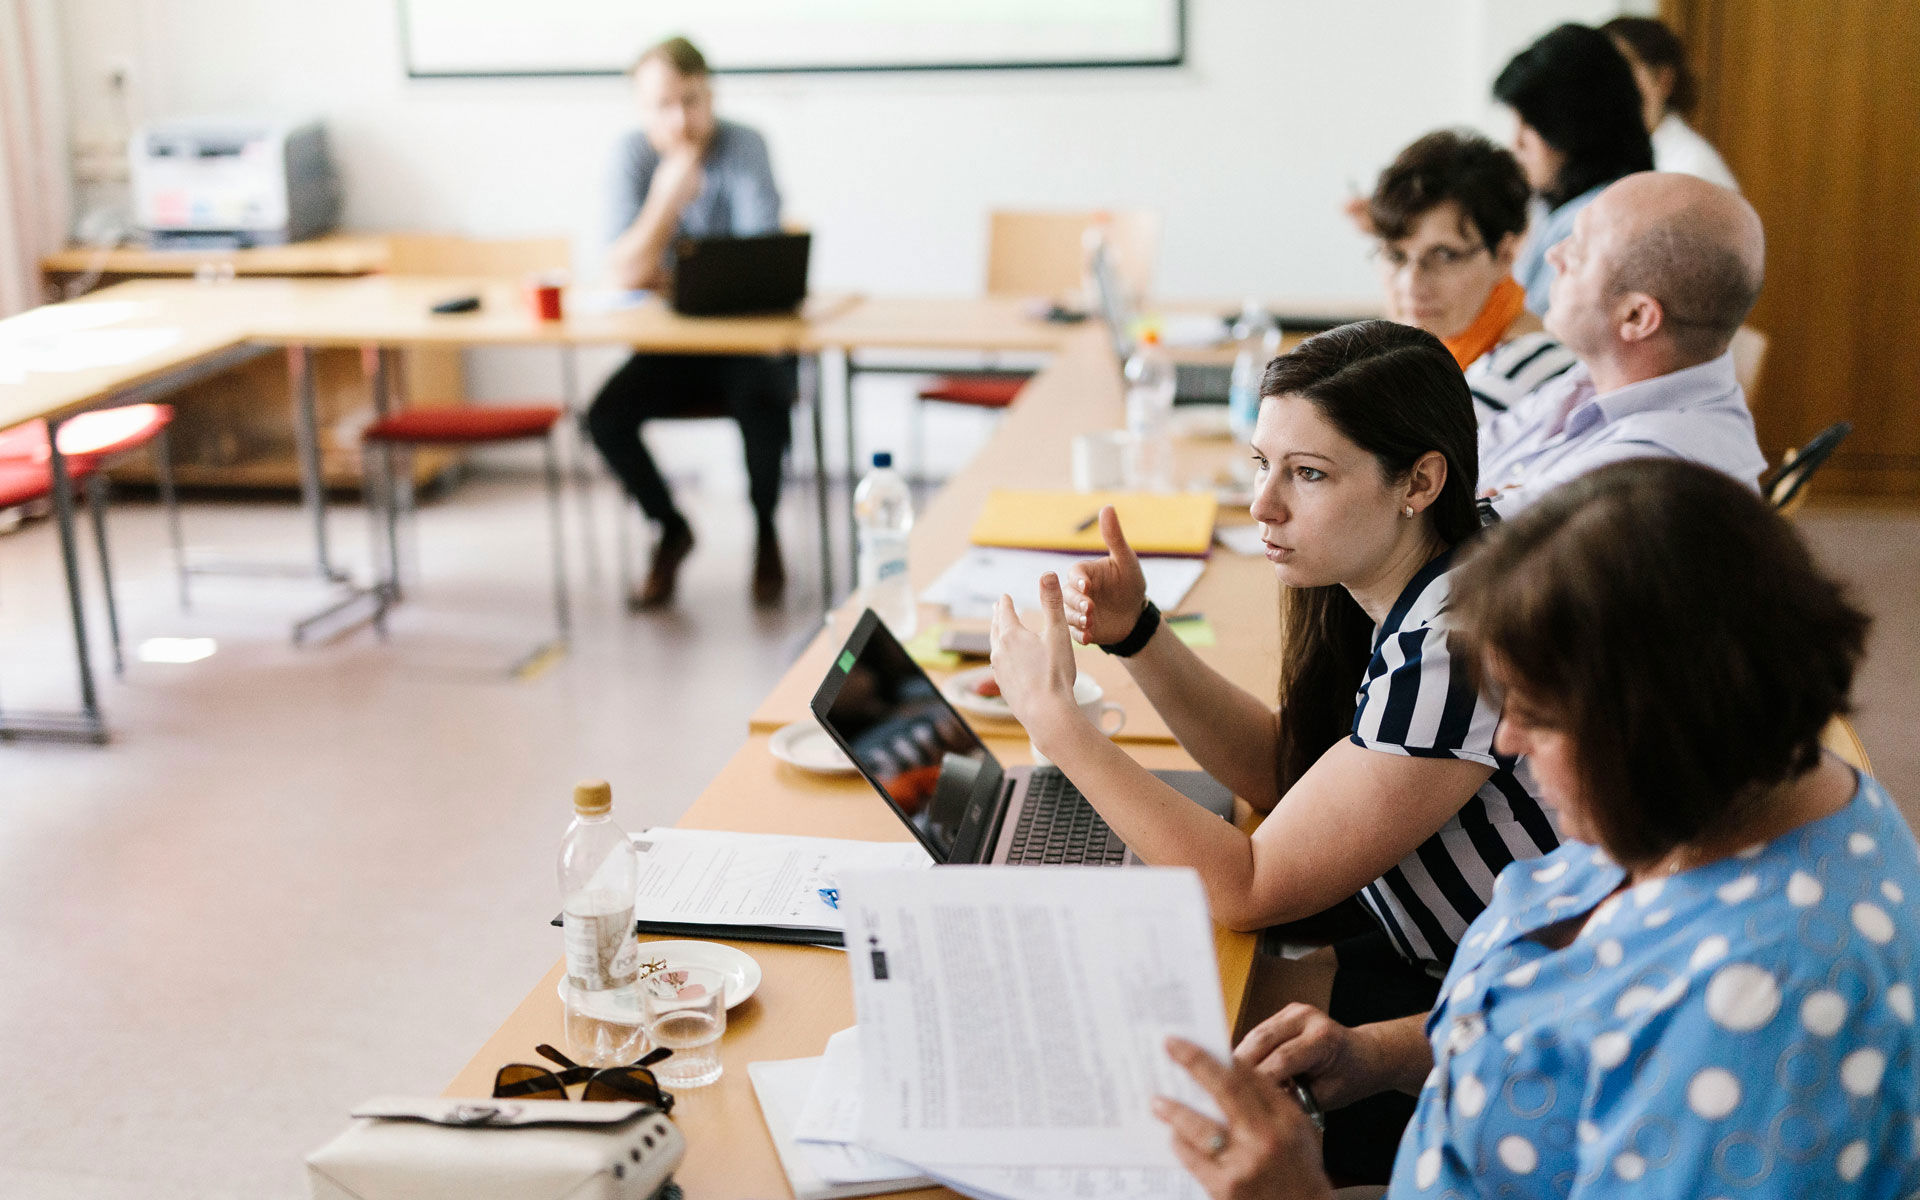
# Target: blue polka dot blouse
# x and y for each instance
(1745, 1028)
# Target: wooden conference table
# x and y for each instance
(806, 995)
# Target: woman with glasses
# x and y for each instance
(1449, 214)
(1709, 990)
(1377, 768)
(1577, 128)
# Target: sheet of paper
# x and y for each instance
(52, 320)
(820, 1170)
(1071, 1183)
(712, 877)
(1017, 1016)
(594, 301)
(977, 579)
(832, 1113)
(82, 349)
(1241, 539)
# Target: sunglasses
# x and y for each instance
(530, 1081)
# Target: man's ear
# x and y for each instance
(1637, 317)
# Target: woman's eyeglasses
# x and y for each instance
(530, 1081)
(1436, 260)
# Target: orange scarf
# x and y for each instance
(1502, 310)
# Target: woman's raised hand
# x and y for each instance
(1104, 596)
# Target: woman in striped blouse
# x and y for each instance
(1377, 770)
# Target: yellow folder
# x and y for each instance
(1177, 523)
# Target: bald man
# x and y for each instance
(1657, 275)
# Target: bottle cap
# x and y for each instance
(1150, 337)
(882, 459)
(591, 797)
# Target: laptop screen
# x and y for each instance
(898, 729)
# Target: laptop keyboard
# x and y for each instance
(1057, 825)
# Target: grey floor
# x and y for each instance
(300, 877)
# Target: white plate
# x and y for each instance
(805, 745)
(959, 690)
(741, 971)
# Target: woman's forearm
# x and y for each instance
(1230, 733)
(1156, 822)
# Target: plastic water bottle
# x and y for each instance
(1257, 339)
(599, 874)
(1150, 387)
(883, 509)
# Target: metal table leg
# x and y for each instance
(314, 493)
(810, 378)
(87, 725)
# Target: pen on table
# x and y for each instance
(1089, 523)
(1304, 1095)
(831, 896)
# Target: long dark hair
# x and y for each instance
(1575, 89)
(1650, 41)
(1397, 393)
(1678, 630)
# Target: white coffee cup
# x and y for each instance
(1100, 460)
(1091, 699)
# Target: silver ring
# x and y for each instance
(1216, 1143)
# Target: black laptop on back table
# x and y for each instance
(934, 772)
(739, 276)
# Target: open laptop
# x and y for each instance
(934, 772)
(1193, 383)
(729, 276)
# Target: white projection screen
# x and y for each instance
(470, 38)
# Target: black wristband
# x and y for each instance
(1142, 633)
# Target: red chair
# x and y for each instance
(393, 436)
(92, 441)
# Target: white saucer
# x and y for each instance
(741, 971)
(958, 689)
(805, 745)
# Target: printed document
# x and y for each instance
(1013, 1021)
(977, 579)
(712, 877)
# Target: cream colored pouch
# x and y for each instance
(409, 1149)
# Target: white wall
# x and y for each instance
(1247, 151)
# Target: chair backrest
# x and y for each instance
(1043, 253)
(1786, 491)
(1749, 353)
(451, 254)
(1844, 740)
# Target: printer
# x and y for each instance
(218, 183)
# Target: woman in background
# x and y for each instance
(1449, 214)
(1668, 94)
(1577, 129)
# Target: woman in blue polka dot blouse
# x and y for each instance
(1709, 989)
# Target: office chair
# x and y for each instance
(1786, 491)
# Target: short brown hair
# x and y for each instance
(1457, 165)
(677, 52)
(1676, 628)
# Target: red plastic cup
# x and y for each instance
(543, 298)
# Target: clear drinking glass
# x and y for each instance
(686, 1011)
(604, 1028)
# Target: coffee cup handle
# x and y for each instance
(1120, 718)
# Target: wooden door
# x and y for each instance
(1815, 104)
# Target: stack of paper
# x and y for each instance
(753, 886)
(811, 1106)
(977, 579)
(1013, 1024)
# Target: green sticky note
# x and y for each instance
(1194, 631)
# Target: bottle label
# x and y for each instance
(601, 951)
(889, 568)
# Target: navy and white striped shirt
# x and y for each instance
(1417, 700)
(1508, 373)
